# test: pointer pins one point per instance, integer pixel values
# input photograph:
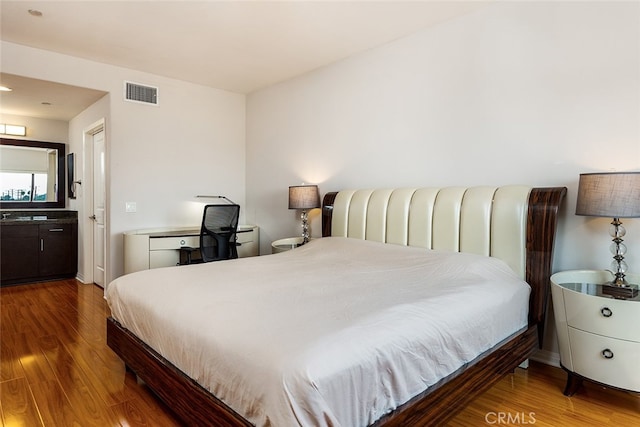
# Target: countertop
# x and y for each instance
(38, 217)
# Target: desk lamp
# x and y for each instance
(615, 195)
(304, 197)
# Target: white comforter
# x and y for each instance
(338, 332)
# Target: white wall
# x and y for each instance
(38, 129)
(159, 157)
(516, 93)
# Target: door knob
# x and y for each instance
(93, 217)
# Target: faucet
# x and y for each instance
(5, 215)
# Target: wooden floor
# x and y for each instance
(56, 370)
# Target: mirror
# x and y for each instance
(31, 174)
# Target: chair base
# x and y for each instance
(189, 255)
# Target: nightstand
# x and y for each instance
(287, 244)
(598, 335)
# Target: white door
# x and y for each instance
(99, 196)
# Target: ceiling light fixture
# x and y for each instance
(34, 12)
(5, 89)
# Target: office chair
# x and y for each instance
(217, 235)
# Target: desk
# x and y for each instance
(160, 247)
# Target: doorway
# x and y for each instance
(95, 205)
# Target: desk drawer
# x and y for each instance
(156, 244)
(246, 236)
(248, 241)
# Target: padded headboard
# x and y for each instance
(514, 223)
(482, 220)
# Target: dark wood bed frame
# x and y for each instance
(195, 406)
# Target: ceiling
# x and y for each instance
(235, 45)
(44, 99)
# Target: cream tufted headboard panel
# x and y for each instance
(483, 220)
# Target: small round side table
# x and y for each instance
(287, 244)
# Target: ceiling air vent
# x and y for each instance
(140, 93)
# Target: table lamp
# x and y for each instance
(304, 197)
(615, 195)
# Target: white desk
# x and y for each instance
(160, 247)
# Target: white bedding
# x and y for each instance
(338, 332)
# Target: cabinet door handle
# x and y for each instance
(51, 230)
(41, 245)
(608, 354)
(606, 312)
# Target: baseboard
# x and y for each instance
(547, 357)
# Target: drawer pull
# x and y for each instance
(51, 230)
(606, 312)
(608, 354)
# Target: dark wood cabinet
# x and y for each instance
(35, 252)
(19, 253)
(58, 250)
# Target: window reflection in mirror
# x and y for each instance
(24, 187)
(31, 174)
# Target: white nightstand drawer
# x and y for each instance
(606, 360)
(173, 242)
(603, 316)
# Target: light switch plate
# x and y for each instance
(130, 206)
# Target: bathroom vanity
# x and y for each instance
(38, 245)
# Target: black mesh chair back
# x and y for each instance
(218, 232)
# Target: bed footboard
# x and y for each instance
(191, 403)
(196, 406)
(441, 402)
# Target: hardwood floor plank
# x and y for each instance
(76, 385)
(18, 405)
(105, 379)
(54, 407)
(144, 409)
(10, 366)
(33, 362)
(8, 325)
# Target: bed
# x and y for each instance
(328, 334)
